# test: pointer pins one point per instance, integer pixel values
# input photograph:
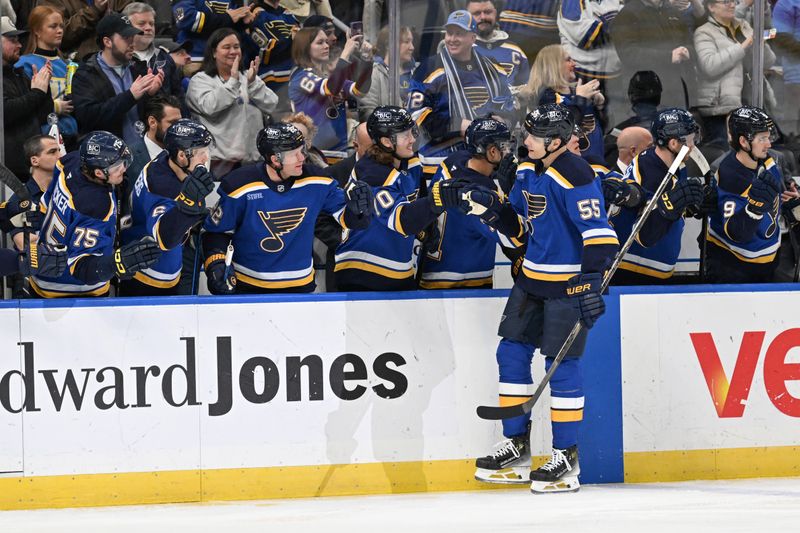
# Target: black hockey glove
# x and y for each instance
(430, 237)
(791, 211)
(506, 173)
(359, 198)
(622, 193)
(216, 278)
(19, 212)
(709, 203)
(135, 256)
(584, 291)
(197, 185)
(761, 197)
(683, 194)
(484, 203)
(43, 259)
(450, 193)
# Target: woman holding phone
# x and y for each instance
(321, 93)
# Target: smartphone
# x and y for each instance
(770, 34)
(356, 28)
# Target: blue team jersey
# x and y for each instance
(509, 56)
(67, 124)
(533, 18)
(154, 194)
(570, 231)
(466, 250)
(197, 19)
(310, 94)
(272, 225)
(438, 117)
(271, 31)
(659, 260)
(383, 248)
(734, 181)
(82, 216)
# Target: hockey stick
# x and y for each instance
(702, 164)
(18, 188)
(501, 413)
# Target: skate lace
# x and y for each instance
(557, 458)
(503, 448)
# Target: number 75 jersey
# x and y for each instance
(568, 228)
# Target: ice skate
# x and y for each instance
(559, 474)
(508, 464)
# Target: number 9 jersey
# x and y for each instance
(568, 228)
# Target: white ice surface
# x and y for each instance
(763, 505)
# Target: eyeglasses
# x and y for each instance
(726, 2)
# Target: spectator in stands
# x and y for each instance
(42, 152)
(585, 34)
(493, 42)
(724, 60)
(379, 88)
(270, 39)
(644, 94)
(196, 20)
(158, 114)
(455, 86)
(26, 102)
(180, 54)
(325, 24)
(145, 54)
(81, 20)
(786, 16)
(104, 90)
(47, 30)
(231, 101)
(320, 95)
(531, 24)
(655, 35)
(631, 141)
(553, 80)
(303, 9)
(303, 122)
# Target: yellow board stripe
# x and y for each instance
(87, 490)
(727, 463)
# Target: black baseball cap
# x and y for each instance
(116, 23)
(171, 46)
(318, 21)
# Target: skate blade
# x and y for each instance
(515, 475)
(566, 484)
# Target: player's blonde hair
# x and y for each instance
(546, 73)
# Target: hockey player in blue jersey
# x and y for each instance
(495, 43)
(531, 24)
(267, 211)
(653, 256)
(39, 258)
(743, 233)
(168, 199)
(463, 254)
(452, 88)
(82, 213)
(557, 201)
(381, 257)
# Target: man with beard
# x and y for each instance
(158, 114)
(494, 43)
(104, 90)
(146, 55)
(450, 89)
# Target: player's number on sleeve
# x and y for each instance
(307, 84)
(384, 199)
(589, 208)
(85, 237)
(728, 209)
(415, 100)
